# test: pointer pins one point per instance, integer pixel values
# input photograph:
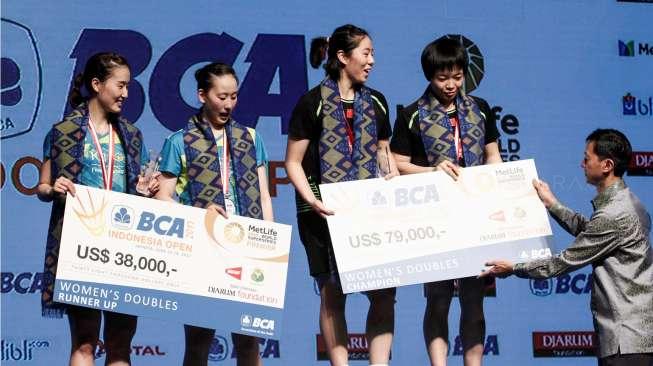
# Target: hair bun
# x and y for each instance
(318, 51)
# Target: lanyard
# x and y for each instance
(350, 131)
(224, 176)
(350, 136)
(107, 173)
(456, 135)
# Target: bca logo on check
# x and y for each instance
(21, 79)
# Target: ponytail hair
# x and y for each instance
(98, 66)
(318, 51)
(344, 38)
(75, 96)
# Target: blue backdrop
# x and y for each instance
(553, 71)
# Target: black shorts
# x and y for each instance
(314, 233)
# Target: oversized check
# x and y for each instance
(178, 263)
(427, 227)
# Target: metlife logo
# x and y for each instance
(631, 48)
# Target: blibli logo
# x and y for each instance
(162, 225)
(21, 79)
(633, 106)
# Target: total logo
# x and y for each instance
(221, 349)
(23, 349)
(579, 283)
(22, 77)
(136, 350)
(627, 49)
(633, 106)
(641, 163)
(23, 283)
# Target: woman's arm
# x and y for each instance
(46, 190)
(167, 183)
(492, 155)
(266, 200)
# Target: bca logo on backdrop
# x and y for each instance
(574, 283)
(21, 79)
(221, 349)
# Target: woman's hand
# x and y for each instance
(450, 168)
(218, 209)
(63, 185)
(320, 209)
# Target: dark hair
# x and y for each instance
(612, 144)
(443, 54)
(98, 66)
(344, 38)
(203, 75)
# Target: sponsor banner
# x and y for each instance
(565, 344)
(490, 347)
(22, 282)
(426, 227)
(634, 105)
(222, 348)
(165, 260)
(24, 349)
(641, 163)
(22, 79)
(357, 347)
(144, 350)
(568, 283)
(628, 49)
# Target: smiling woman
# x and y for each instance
(339, 132)
(93, 146)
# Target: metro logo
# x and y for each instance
(162, 225)
(564, 344)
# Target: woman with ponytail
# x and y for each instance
(213, 144)
(340, 123)
(93, 146)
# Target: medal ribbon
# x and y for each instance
(107, 172)
(224, 176)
